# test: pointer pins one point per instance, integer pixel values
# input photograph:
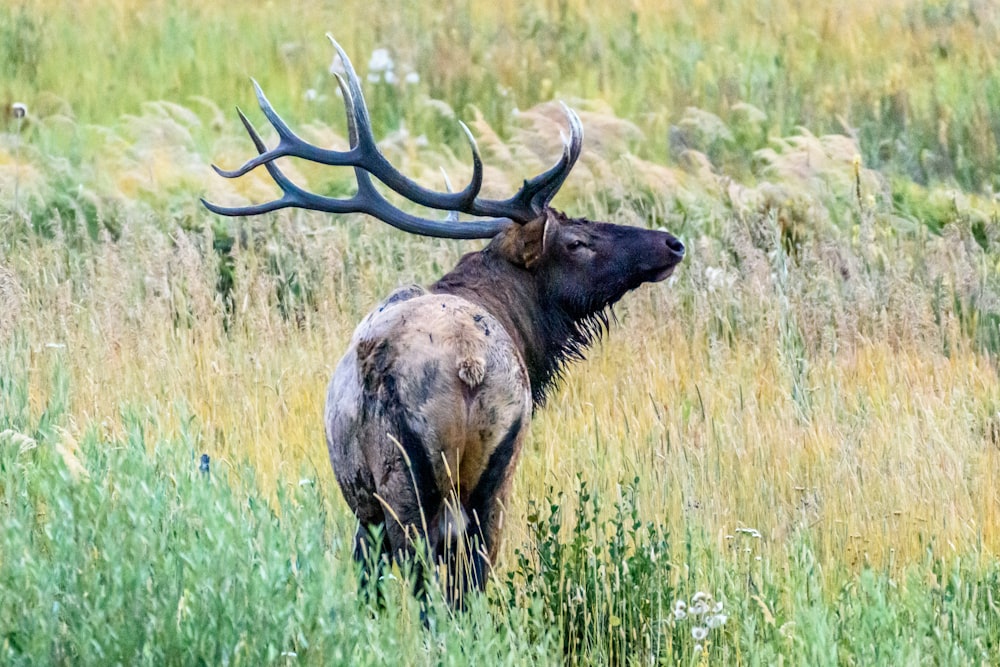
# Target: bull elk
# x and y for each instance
(427, 411)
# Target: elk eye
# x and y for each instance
(575, 245)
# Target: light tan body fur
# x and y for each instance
(431, 388)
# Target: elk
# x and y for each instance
(427, 411)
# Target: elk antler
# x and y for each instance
(364, 155)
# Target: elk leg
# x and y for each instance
(411, 499)
(485, 506)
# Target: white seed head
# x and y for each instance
(752, 532)
(699, 632)
(19, 109)
(380, 61)
(716, 621)
(412, 78)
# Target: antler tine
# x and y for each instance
(539, 191)
(571, 153)
(382, 170)
(289, 144)
(536, 193)
(352, 126)
(452, 215)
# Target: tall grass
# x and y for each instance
(804, 423)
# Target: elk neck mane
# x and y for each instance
(545, 333)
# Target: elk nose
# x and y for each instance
(676, 246)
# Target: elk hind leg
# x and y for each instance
(411, 499)
(484, 509)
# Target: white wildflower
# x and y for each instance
(380, 61)
(715, 621)
(752, 532)
(19, 109)
(374, 77)
(311, 95)
(390, 77)
(699, 633)
(412, 78)
(698, 648)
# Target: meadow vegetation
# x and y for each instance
(789, 453)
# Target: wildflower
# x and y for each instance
(390, 77)
(698, 648)
(698, 608)
(412, 78)
(717, 608)
(311, 95)
(680, 610)
(19, 109)
(380, 61)
(699, 633)
(715, 621)
(752, 532)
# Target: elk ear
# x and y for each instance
(524, 245)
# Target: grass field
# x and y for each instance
(803, 424)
